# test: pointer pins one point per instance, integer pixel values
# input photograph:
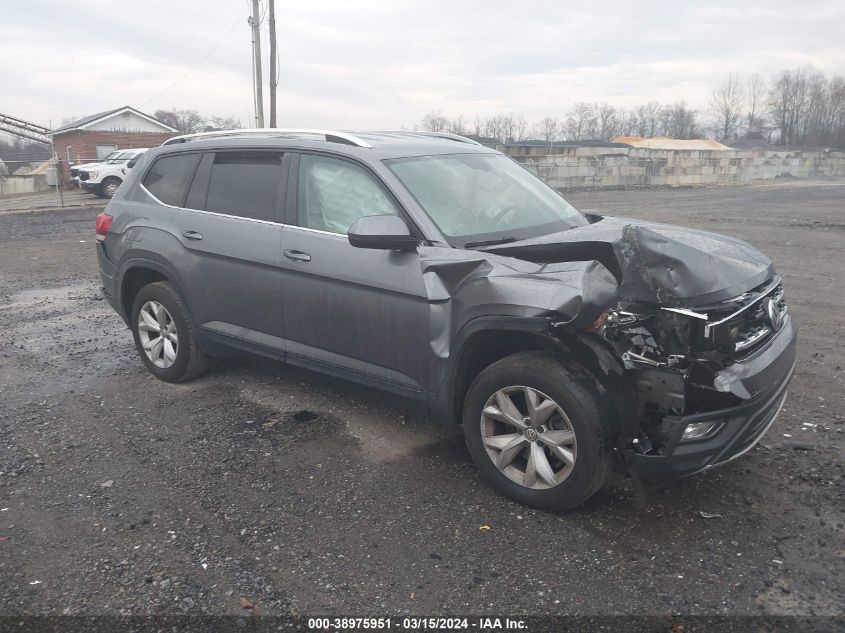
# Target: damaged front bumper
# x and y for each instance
(765, 377)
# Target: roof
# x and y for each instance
(84, 122)
(664, 142)
(382, 145)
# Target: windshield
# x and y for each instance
(118, 157)
(484, 198)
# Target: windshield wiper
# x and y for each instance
(501, 240)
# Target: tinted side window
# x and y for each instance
(333, 193)
(246, 184)
(169, 177)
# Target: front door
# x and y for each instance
(356, 310)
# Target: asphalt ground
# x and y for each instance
(274, 487)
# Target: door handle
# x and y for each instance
(297, 256)
(192, 235)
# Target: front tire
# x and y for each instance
(164, 334)
(110, 186)
(535, 427)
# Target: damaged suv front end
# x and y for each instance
(709, 382)
(702, 330)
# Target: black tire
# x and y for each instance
(106, 189)
(577, 393)
(190, 360)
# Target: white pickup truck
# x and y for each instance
(115, 157)
(103, 179)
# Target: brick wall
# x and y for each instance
(83, 145)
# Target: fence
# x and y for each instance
(25, 176)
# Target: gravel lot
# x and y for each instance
(120, 494)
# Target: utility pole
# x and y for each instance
(255, 23)
(271, 12)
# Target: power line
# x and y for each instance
(195, 66)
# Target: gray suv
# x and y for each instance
(430, 266)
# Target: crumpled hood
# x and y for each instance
(654, 263)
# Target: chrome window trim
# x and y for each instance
(310, 230)
(238, 217)
(222, 215)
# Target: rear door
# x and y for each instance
(230, 230)
(358, 311)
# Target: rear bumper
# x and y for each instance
(766, 376)
(108, 277)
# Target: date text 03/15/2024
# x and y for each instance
(416, 624)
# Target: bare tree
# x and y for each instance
(608, 122)
(506, 128)
(647, 117)
(547, 129)
(494, 127)
(679, 121)
(789, 99)
(186, 121)
(755, 98)
(516, 127)
(581, 122)
(457, 125)
(627, 122)
(726, 105)
(222, 123)
(434, 122)
(799, 106)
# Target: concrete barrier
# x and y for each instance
(570, 167)
(28, 183)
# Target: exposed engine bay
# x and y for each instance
(677, 357)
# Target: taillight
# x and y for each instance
(102, 225)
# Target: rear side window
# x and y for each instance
(246, 184)
(169, 177)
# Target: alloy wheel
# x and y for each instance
(528, 437)
(158, 335)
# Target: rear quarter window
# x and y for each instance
(169, 177)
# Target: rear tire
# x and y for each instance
(548, 448)
(164, 334)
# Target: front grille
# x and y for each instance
(83, 175)
(750, 320)
(74, 172)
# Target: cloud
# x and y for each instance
(375, 64)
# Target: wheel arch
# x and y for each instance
(484, 341)
(491, 340)
(138, 272)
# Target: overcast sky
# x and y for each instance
(383, 64)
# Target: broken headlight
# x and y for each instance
(700, 431)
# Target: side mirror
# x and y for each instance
(388, 232)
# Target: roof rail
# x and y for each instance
(329, 135)
(445, 135)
